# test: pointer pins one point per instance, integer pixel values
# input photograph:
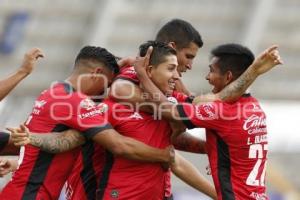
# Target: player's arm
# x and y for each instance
(189, 143)
(29, 61)
(185, 141)
(108, 138)
(122, 62)
(132, 149)
(49, 142)
(126, 92)
(7, 147)
(266, 61)
(188, 173)
(7, 165)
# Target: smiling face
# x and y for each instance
(165, 74)
(186, 56)
(216, 78)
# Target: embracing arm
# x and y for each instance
(189, 143)
(49, 142)
(128, 93)
(132, 149)
(188, 173)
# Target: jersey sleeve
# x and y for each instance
(82, 114)
(181, 97)
(128, 73)
(4, 138)
(203, 116)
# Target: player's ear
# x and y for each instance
(149, 70)
(229, 77)
(172, 44)
(96, 72)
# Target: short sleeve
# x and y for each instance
(128, 73)
(83, 114)
(4, 138)
(181, 97)
(203, 116)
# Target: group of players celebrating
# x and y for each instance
(120, 144)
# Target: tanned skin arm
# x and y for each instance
(187, 172)
(109, 139)
(49, 142)
(28, 64)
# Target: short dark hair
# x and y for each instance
(181, 32)
(160, 51)
(233, 57)
(100, 55)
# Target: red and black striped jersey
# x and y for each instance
(236, 143)
(41, 175)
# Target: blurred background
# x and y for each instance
(61, 27)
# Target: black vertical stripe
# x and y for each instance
(40, 169)
(184, 118)
(224, 173)
(109, 161)
(88, 175)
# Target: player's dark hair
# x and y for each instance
(98, 54)
(181, 32)
(160, 51)
(233, 57)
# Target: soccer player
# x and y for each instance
(7, 84)
(236, 132)
(186, 40)
(143, 126)
(66, 105)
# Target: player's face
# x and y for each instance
(103, 80)
(165, 74)
(185, 57)
(215, 77)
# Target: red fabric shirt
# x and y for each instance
(130, 179)
(237, 145)
(41, 175)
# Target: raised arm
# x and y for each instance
(28, 64)
(188, 173)
(49, 142)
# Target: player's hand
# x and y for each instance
(169, 153)
(6, 166)
(20, 136)
(141, 63)
(30, 59)
(267, 60)
(126, 61)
